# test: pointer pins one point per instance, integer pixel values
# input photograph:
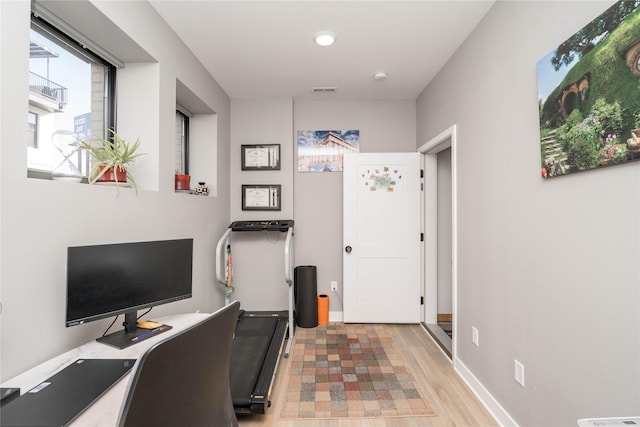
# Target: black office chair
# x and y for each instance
(184, 380)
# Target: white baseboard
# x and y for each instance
(335, 316)
(495, 409)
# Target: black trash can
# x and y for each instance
(305, 282)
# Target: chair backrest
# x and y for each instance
(184, 380)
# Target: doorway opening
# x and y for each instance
(440, 261)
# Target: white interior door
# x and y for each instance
(381, 238)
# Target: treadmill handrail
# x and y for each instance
(222, 244)
(288, 275)
(288, 254)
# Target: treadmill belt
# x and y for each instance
(247, 356)
(250, 345)
(256, 326)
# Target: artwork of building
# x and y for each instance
(326, 155)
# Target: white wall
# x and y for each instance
(548, 270)
(385, 126)
(40, 218)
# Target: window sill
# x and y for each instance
(46, 175)
(192, 193)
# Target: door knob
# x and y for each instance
(347, 249)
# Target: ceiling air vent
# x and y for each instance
(324, 89)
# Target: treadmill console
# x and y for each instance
(268, 225)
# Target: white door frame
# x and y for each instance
(430, 150)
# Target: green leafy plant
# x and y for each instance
(610, 120)
(582, 155)
(112, 154)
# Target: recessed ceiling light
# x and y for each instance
(325, 38)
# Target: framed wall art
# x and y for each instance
(589, 95)
(261, 197)
(260, 157)
(323, 150)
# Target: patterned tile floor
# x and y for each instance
(349, 371)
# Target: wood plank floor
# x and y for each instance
(454, 403)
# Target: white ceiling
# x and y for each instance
(265, 48)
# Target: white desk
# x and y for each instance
(104, 411)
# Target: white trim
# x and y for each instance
(335, 316)
(437, 344)
(433, 145)
(493, 406)
(444, 140)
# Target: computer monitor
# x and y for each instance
(122, 278)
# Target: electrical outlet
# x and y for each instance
(334, 286)
(519, 372)
(474, 336)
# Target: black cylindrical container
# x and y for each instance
(305, 280)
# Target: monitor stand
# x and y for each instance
(131, 334)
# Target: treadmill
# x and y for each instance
(260, 335)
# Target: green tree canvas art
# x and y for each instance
(589, 95)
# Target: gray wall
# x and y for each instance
(258, 258)
(548, 270)
(313, 200)
(40, 218)
(385, 126)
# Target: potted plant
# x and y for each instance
(112, 159)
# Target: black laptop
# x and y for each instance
(60, 399)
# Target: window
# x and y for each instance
(199, 124)
(71, 89)
(33, 130)
(182, 143)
